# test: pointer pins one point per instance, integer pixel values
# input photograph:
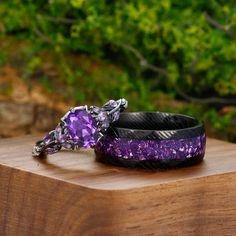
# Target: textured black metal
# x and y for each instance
(155, 125)
(148, 164)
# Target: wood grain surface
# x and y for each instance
(69, 193)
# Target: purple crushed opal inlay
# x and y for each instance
(135, 149)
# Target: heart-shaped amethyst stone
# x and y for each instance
(81, 128)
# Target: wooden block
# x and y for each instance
(69, 193)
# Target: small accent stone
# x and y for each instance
(112, 103)
(103, 119)
(96, 110)
(115, 116)
(59, 134)
(49, 138)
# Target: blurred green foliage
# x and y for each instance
(144, 50)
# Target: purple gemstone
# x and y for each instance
(59, 134)
(103, 119)
(96, 109)
(115, 116)
(82, 128)
(49, 138)
(112, 103)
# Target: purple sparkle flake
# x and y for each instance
(81, 129)
(152, 149)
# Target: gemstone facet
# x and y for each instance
(82, 129)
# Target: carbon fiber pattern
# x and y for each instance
(148, 164)
(155, 126)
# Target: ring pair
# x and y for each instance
(131, 139)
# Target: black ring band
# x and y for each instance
(155, 125)
(162, 139)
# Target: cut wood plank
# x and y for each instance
(69, 193)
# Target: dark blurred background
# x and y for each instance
(164, 55)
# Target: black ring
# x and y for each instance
(155, 125)
(178, 140)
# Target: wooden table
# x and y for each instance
(69, 193)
